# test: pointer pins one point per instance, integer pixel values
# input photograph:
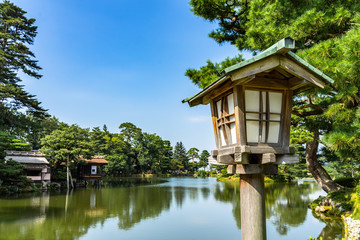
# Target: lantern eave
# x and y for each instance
(278, 56)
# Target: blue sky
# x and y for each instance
(114, 61)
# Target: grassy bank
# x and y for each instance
(236, 178)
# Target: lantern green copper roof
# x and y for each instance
(284, 46)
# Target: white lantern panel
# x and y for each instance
(232, 118)
(233, 133)
(218, 108)
(252, 99)
(275, 99)
(274, 130)
(254, 116)
(230, 100)
(263, 134)
(252, 131)
(263, 101)
(275, 117)
(222, 138)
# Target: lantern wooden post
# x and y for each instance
(251, 115)
(252, 199)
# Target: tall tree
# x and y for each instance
(65, 145)
(38, 128)
(98, 141)
(193, 153)
(327, 36)
(17, 32)
(180, 155)
(116, 151)
(204, 159)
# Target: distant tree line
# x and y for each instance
(131, 151)
(26, 125)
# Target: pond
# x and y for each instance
(174, 208)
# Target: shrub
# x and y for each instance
(347, 182)
(224, 172)
(202, 173)
(356, 199)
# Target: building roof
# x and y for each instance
(96, 160)
(26, 157)
(278, 51)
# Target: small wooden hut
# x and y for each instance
(36, 166)
(92, 169)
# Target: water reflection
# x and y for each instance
(71, 215)
(286, 206)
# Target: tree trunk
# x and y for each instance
(71, 180)
(315, 168)
(67, 174)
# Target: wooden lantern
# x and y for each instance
(251, 114)
(251, 107)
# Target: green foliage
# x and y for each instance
(347, 182)
(193, 153)
(119, 165)
(38, 128)
(17, 32)
(327, 37)
(66, 144)
(98, 140)
(291, 171)
(10, 142)
(343, 195)
(204, 156)
(255, 25)
(356, 201)
(131, 151)
(202, 173)
(180, 156)
(11, 171)
(218, 168)
(204, 162)
(224, 172)
(211, 71)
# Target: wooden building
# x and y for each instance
(36, 166)
(92, 169)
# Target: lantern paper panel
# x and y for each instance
(225, 111)
(263, 116)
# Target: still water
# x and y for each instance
(175, 208)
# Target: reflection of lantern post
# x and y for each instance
(251, 114)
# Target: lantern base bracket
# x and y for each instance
(268, 169)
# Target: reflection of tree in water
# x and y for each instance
(230, 192)
(286, 203)
(45, 217)
(55, 221)
(71, 216)
(193, 193)
(179, 194)
(205, 192)
(131, 205)
(84, 210)
(332, 230)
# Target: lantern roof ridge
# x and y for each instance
(282, 48)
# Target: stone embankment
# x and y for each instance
(352, 228)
